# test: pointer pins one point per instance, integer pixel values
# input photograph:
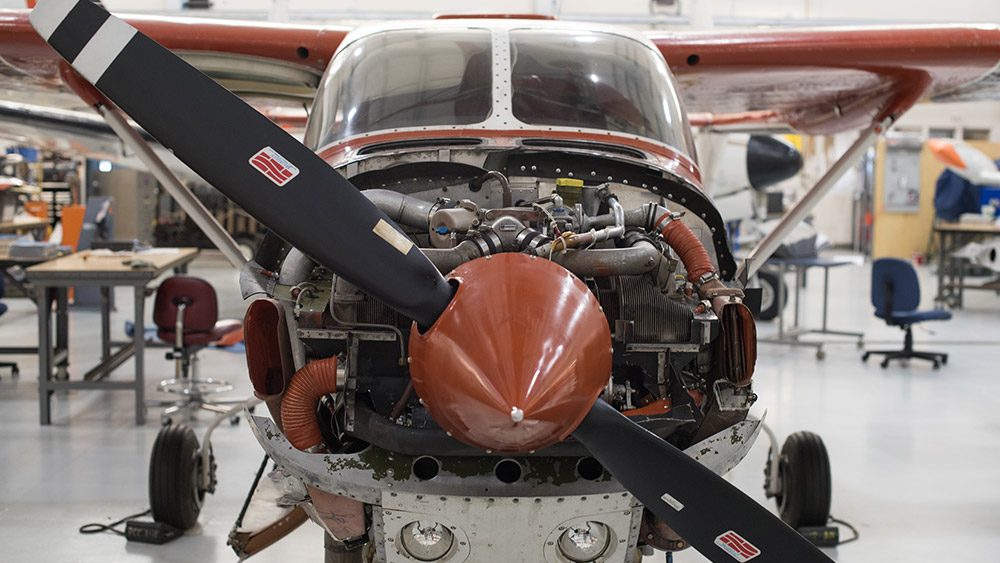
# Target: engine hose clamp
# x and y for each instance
(707, 277)
(488, 242)
(529, 239)
(665, 219)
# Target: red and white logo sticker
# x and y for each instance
(268, 162)
(739, 548)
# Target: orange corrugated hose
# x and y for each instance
(298, 406)
(692, 253)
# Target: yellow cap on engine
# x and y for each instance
(569, 189)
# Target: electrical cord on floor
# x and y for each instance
(849, 527)
(95, 528)
(137, 530)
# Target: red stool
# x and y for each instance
(186, 314)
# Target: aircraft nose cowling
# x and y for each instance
(517, 359)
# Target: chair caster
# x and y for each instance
(937, 364)
(944, 360)
(865, 356)
(820, 354)
(884, 363)
(234, 421)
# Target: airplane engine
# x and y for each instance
(635, 312)
(681, 342)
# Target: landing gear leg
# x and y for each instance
(336, 552)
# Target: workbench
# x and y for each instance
(951, 270)
(8, 261)
(51, 282)
(791, 337)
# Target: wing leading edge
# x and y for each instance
(249, 58)
(827, 80)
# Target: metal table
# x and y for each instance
(51, 281)
(7, 261)
(951, 270)
(800, 265)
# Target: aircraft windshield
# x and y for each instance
(408, 78)
(595, 81)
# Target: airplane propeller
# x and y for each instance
(305, 201)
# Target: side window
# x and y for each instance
(594, 81)
(408, 78)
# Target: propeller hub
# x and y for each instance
(517, 359)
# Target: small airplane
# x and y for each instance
(975, 166)
(498, 319)
(966, 160)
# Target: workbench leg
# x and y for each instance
(798, 293)
(781, 301)
(960, 271)
(62, 332)
(139, 337)
(44, 303)
(105, 323)
(941, 297)
(826, 294)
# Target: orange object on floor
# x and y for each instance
(230, 338)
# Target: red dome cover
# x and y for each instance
(518, 357)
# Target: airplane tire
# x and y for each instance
(175, 494)
(769, 281)
(806, 487)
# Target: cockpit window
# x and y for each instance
(595, 81)
(406, 78)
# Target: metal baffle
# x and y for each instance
(773, 240)
(181, 194)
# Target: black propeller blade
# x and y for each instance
(715, 517)
(245, 156)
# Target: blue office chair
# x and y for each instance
(896, 296)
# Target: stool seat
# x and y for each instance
(186, 313)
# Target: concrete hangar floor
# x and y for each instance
(914, 451)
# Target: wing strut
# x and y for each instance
(766, 247)
(170, 182)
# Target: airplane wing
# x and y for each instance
(252, 59)
(826, 80)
